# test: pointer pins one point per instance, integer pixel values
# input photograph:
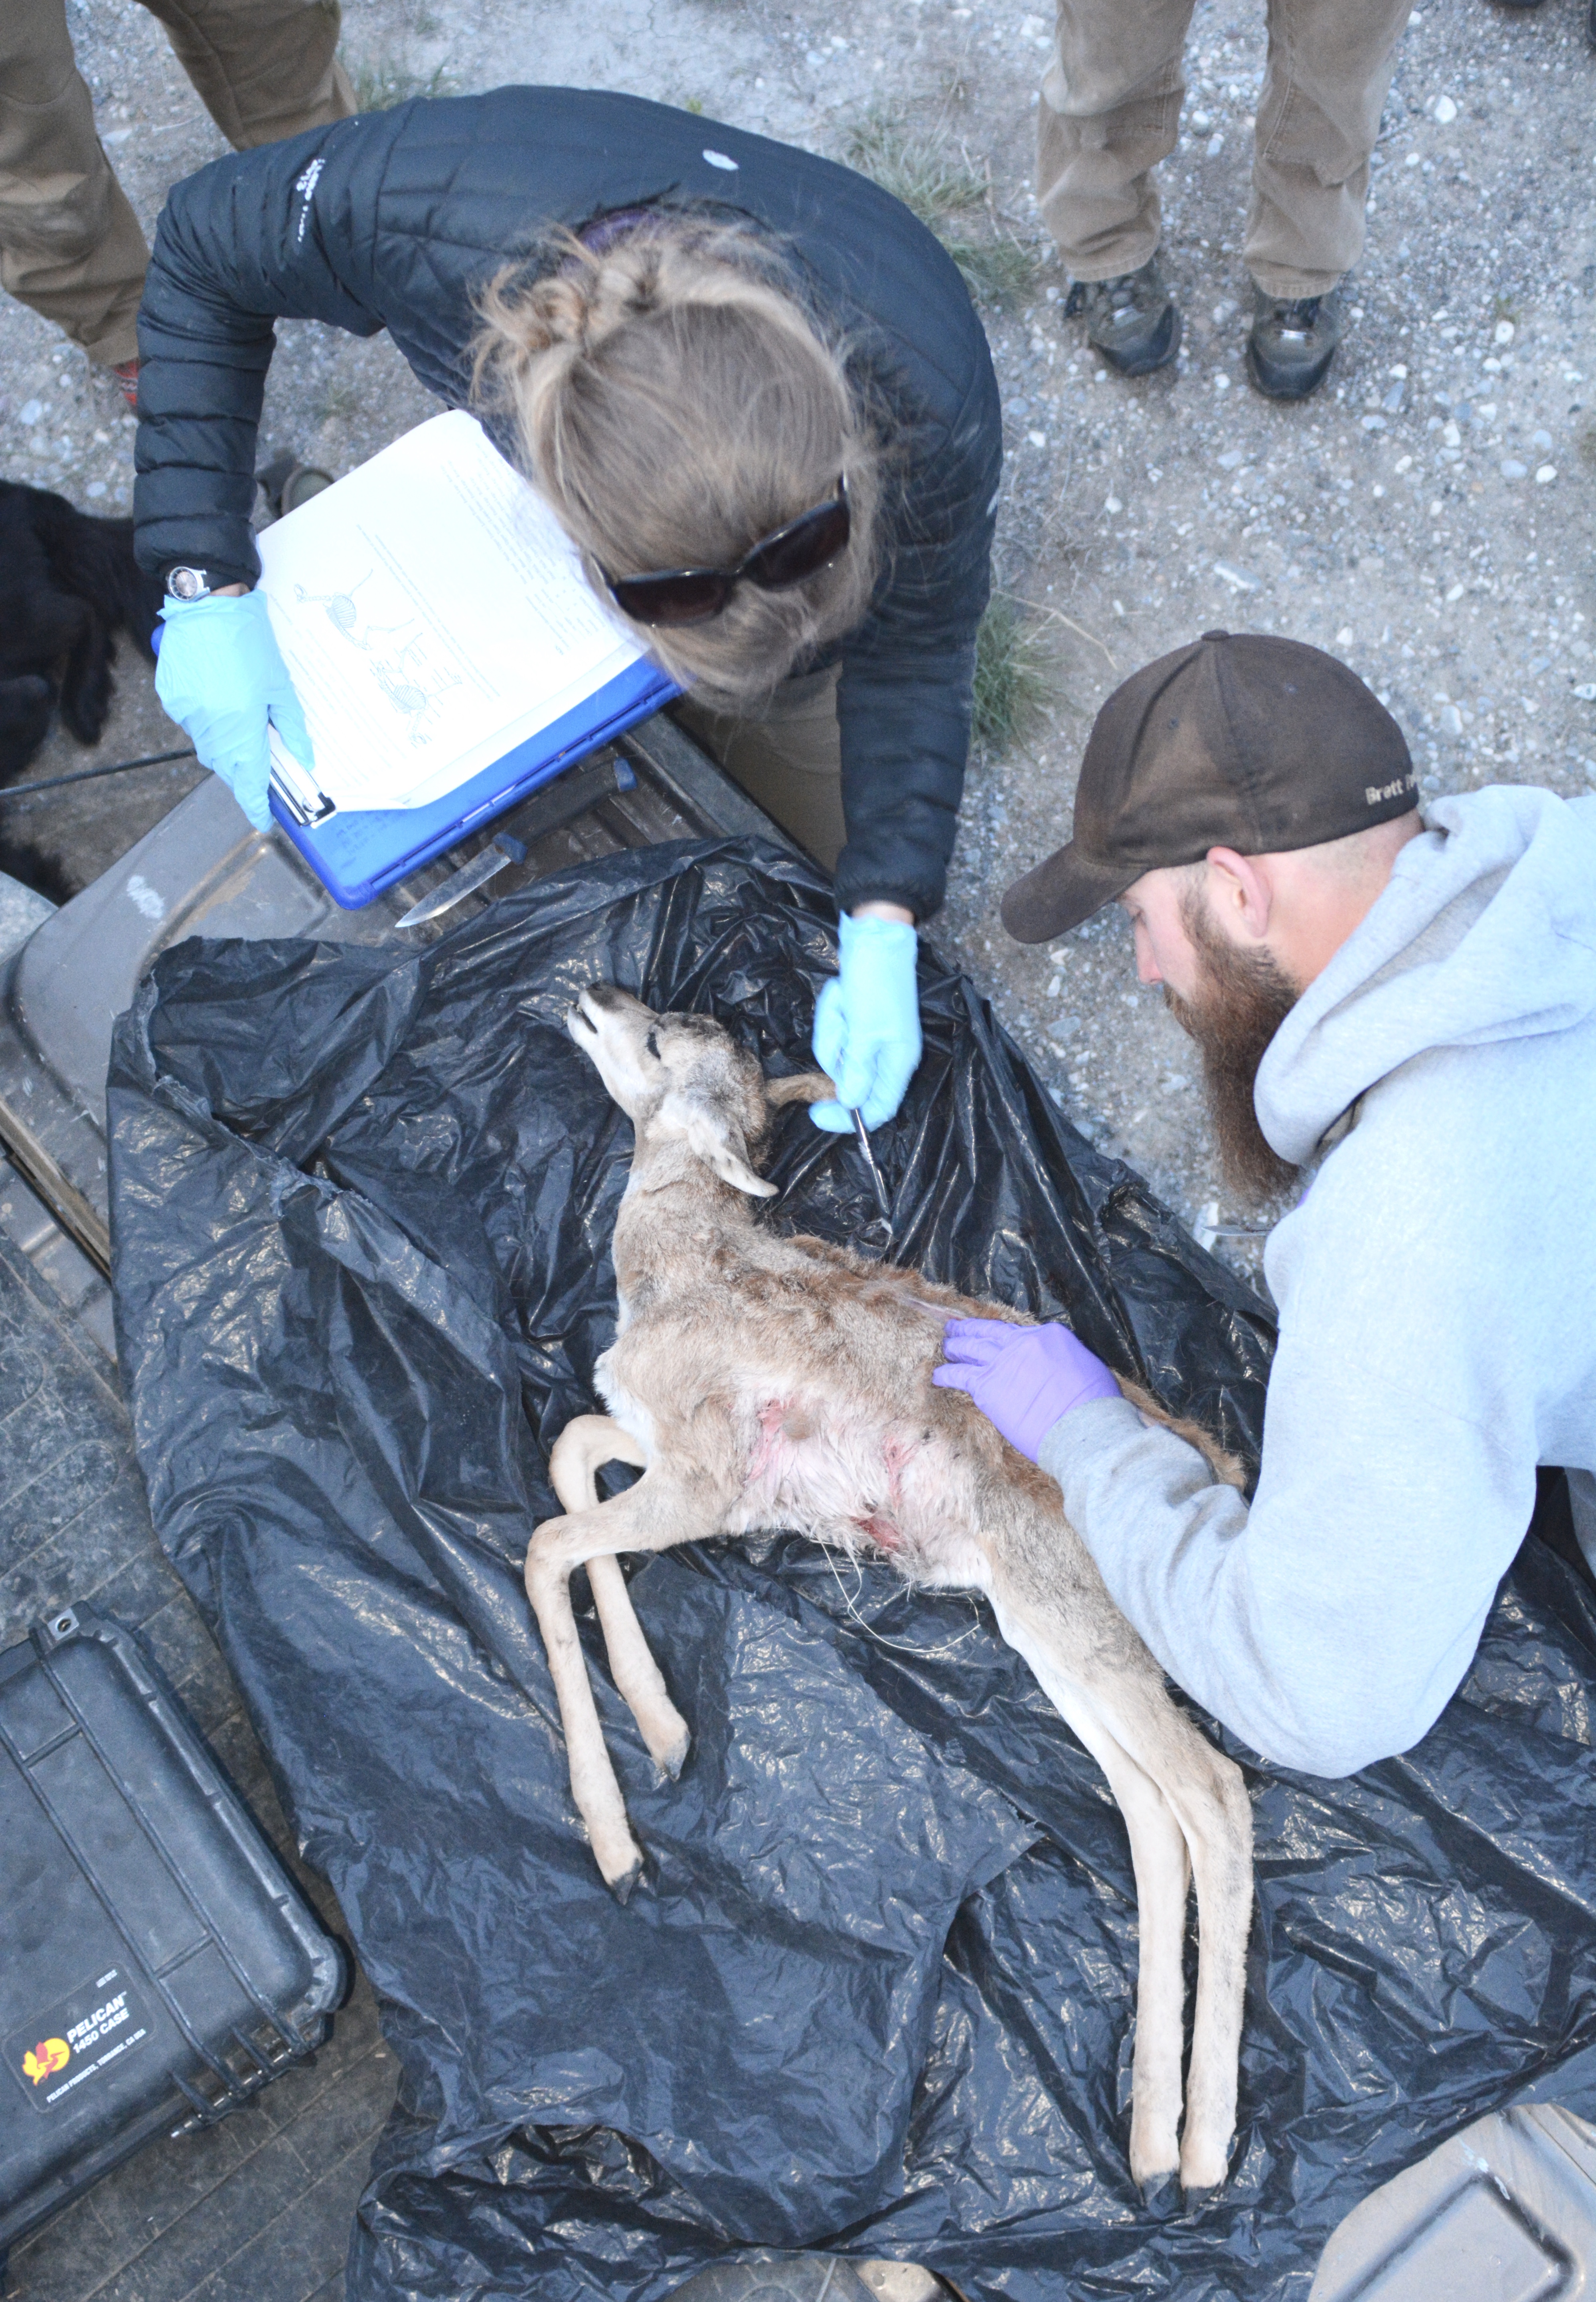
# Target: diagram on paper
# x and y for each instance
(433, 616)
(396, 655)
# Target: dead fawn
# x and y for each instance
(764, 1382)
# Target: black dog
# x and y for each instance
(68, 582)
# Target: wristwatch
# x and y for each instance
(188, 584)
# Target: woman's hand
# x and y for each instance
(867, 1021)
(1021, 1378)
(221, 676)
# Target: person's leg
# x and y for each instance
(263, 69)
(788, 758)
(70, 243)
(1330, 65)
(1110, 111)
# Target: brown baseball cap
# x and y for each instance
(1245, 741)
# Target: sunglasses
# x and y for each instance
(691, 595)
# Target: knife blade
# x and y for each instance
(877, 1181)
(467, 880)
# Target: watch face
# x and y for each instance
(187, 584)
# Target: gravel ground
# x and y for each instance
(1427, 516)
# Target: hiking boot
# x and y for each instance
(126, 375)
(1131, 320)
(1292, 344)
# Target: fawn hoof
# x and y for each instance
(672, 1760)
(618, 1856)
(1160, 2195)
(1155, 2159)
(1202, 2171)
(620, 1882)
(1196, 2195)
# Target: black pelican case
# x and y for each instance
(159, 1964)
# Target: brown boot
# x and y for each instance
(1133, 320)
(1292, 344)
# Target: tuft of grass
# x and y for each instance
(945, 191)
(918, 170)
(383, 81)
(1002, 272)
(1014, 680)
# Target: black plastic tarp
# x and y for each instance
(875, 1991)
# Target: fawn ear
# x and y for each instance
(713, 1134)
(803, 1087)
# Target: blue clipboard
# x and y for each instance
(357, 854)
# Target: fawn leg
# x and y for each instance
(1158, 1859)
(1209, 1799)
(582, 1446)
(653, 1516)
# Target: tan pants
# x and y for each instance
(70, 243)
(789, 759)
(1110, 110)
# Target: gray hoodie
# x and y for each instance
(1437, 1295)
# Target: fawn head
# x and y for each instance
(684, 1077)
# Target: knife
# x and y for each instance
(877, 1184)
(467, 880)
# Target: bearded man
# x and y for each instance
(1406, 1002)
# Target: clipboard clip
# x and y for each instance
(296, 787)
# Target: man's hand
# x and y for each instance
(1021, 1378)
(220, 675)
(867, 1021)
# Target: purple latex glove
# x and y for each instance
(1021, 1378)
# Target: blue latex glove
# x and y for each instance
(1021, 1378)
(867, 1024)
(221, 676)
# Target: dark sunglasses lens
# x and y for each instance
(687, 598)
(803, 550)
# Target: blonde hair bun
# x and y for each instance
(674, 401)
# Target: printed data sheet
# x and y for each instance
(432, 614)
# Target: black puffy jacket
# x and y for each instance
(393, 220)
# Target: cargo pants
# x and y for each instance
(788, 757)
(70, 243)
(1111, 110)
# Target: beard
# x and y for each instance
(1242, 1000)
